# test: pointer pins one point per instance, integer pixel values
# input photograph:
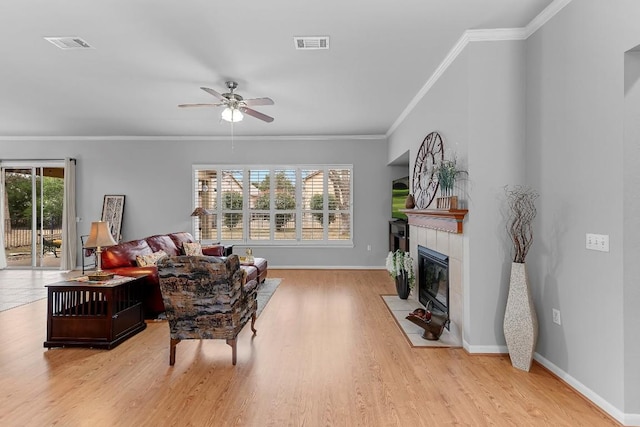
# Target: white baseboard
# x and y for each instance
(596, 399)
(621, 417)
(485, 349)
(631, 420)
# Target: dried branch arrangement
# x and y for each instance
(522, 211)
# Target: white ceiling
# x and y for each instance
(149, 56)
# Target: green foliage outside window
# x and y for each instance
(283, 201)
(232, 200)
(18, 187)
(282, 183)
(278, 203)
(317, 203)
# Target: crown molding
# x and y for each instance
(196, 138)
(481, 35)
(496, 34)
(448, 60)
(544, 16)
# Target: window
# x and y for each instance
(275, 205)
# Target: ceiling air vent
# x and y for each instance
(69, 42)
(311, 43)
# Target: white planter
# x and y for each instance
(520, 320)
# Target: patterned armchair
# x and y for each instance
(206, 297)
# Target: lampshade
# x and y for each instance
(100, 235)
(232, 115)
(200, 212)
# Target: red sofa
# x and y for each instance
(121, 259)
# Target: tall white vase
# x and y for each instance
(520, 320)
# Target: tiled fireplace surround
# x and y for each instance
(450, 243)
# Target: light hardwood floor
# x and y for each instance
(327, 353)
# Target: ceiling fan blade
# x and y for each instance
(256, 114)
(198, 105)
(214, 93)
(258, 101)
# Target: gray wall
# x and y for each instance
(551, 112)
(631, 224)
(478, 108)
(496, 155)
(577, 159)
(156, 178)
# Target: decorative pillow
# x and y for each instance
(215, 250)
(192, 249)
(151, 259)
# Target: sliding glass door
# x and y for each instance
(33, 203)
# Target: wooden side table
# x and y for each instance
(81, 313)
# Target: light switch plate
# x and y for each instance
(598, 242)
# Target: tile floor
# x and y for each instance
(19, 287)
(400, 308)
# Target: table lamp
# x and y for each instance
(200, 212)
(100, 237)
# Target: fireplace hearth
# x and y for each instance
(433, 280)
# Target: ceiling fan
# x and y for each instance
(235, 104)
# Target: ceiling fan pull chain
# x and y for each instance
(232, 140)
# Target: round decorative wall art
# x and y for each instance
(425, 180)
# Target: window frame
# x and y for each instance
(247, 210)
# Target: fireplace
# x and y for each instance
(433, 280)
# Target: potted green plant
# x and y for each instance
(447, 172)
(400, 267)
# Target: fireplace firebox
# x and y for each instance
(433, 280)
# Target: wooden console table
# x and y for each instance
(81, 313)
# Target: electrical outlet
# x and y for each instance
(598, 242)
(369, 247)
(556, 317)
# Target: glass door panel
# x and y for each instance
(33, 216)
(18, 227)
(50, 192)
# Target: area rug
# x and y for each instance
(265, 292)
(263, 295)
(400, 308)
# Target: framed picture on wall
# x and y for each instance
(112, 210)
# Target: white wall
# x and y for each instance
(156, 178)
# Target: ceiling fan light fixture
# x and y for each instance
(235, 105)
(232, 115)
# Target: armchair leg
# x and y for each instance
(172, 351)
(232, 343)
(253, 322)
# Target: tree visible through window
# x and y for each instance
(278, 205)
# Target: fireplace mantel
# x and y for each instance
(437, 219)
